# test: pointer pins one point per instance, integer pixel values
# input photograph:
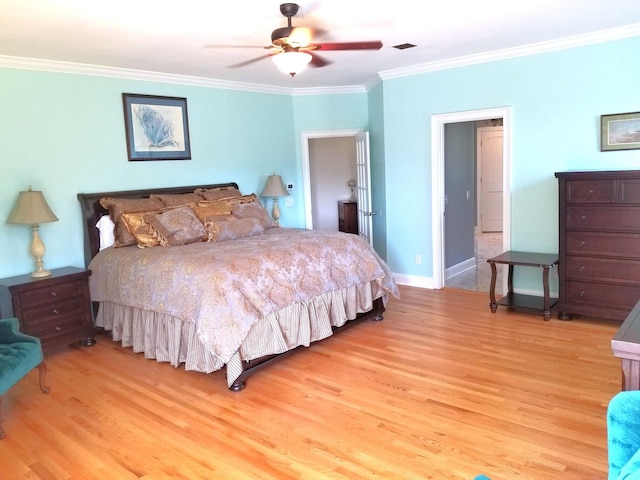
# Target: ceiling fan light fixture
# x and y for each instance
(292, 62)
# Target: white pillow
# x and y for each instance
(106, 227)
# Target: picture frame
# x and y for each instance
(156, 128)
(620, 131)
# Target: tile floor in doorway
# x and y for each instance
(478, 278)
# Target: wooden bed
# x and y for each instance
(92, 212)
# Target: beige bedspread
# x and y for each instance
(223, 288)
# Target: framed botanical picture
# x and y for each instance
(620, 131)
(157, 128)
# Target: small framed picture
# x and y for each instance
(620, 131)
(157, 128)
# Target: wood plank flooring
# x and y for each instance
(440, 389)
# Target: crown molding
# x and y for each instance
(125, 73)
(602, 36)
(143, 75)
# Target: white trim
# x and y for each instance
(413, 281)
(437, 180)
(306, 170)
(459, 268)
(522, 51)
(113, 72)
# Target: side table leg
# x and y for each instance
(545, 285)
(492, 289)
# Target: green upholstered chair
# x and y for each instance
(19, 354)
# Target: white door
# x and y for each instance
(490, 160)
(365, 215)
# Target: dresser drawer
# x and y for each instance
(587, 268)
(630, 190)
(590, 191)
(620, 245)
(602, 294)
(50, 295)
(591, 217)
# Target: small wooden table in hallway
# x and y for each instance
(517, 300)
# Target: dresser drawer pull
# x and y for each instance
(583, 218)
(56, 311)
(590, 192)
(53, 294)
(582, 268)
(57, 328)
(583, 293)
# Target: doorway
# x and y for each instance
(438, 123)
(310, 186)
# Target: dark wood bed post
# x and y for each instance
(91, 213)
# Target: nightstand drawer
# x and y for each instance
(49, 313)
(51, 295)
(48, 330)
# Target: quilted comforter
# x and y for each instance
(225, 287)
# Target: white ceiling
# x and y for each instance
(167, 36)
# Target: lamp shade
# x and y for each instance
(31, 208)
(274, 187)
(292, 62)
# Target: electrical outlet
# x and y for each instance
(418, 259)
(288, 202)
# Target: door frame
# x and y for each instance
(437, 180)
(306, 169)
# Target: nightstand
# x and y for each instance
(56, 309)
(348, 217)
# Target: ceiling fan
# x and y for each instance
(292, 47)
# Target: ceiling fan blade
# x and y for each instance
(249, 62)
(369, 45)
(317, 60)
(235, 46)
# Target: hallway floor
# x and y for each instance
(478, 278)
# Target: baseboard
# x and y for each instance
(459, 268)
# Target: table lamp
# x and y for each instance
(31, 209)
(274, 188)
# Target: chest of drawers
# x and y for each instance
(56, 309)
(599, 249)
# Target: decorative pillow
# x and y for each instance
(140, 228)
(243, 199)
(177, 226)
(177, 200)
(106, 226)
(206, 209)
(231, 229)
(254, 210)
(218, 193)
(118, 206)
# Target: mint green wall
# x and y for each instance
(64, 134)
(557, 99)
(315, 113)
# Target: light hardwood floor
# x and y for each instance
(440, 389)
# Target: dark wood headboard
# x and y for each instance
(92, 211)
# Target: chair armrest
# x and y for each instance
(10, 332)
(623, 430)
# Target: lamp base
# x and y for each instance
(275, 213)
(40, 273)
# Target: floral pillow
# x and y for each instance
(218, 231)
(118, 206)
(254, 210)
(177, 199)
(178, 226)
(218, 193)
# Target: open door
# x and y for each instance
(365, 215)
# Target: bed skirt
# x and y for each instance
(170, 339)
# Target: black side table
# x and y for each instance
(520, 301)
